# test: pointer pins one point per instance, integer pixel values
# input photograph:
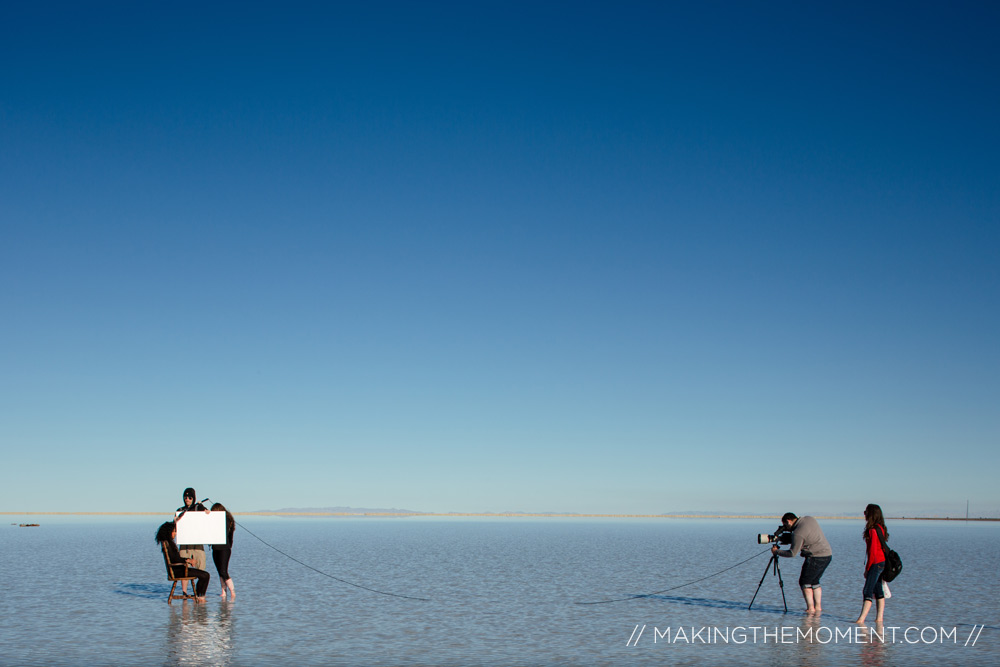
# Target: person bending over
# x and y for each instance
(807, 538)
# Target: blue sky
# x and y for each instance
(580, 257)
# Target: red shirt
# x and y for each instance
(875, 553)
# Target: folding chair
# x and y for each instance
(174, 578)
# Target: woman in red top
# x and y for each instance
(874, 564)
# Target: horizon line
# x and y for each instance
(553, 515)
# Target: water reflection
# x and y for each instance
(504, 594)
(874, 647)
(810, 649)
(198, 634)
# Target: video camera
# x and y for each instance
(782, 536)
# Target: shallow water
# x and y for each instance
(499, 591)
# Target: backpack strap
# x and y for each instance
(881, 539)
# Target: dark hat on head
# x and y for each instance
(189, 492)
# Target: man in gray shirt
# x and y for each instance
(808, 538)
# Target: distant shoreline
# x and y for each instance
(545, 515)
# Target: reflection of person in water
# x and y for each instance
(166, 535)
(197, 634)
(222, 552)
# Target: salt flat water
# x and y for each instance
(499, 591)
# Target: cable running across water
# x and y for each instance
(343, 581)
(667, 590)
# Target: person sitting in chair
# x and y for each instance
(166, 535)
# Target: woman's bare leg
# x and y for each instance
(865, 608)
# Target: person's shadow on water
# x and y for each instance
(739, 606)
(716, 604)
(144, 591)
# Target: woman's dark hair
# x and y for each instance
(165, 532)
(230, 521)
(873, 517)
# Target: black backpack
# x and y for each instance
(893, 564)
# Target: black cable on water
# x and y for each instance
(666, 590)
(343, 581)
(411, 597)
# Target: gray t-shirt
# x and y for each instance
(808, 538)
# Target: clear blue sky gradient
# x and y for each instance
(580, 257)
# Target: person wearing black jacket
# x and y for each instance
(196, 552)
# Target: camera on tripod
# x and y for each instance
(781, 536)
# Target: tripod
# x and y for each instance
(781, 583)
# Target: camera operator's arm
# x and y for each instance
(797, 541)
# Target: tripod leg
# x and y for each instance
(781, 584)
(774, 559)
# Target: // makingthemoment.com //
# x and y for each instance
(759, 634)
